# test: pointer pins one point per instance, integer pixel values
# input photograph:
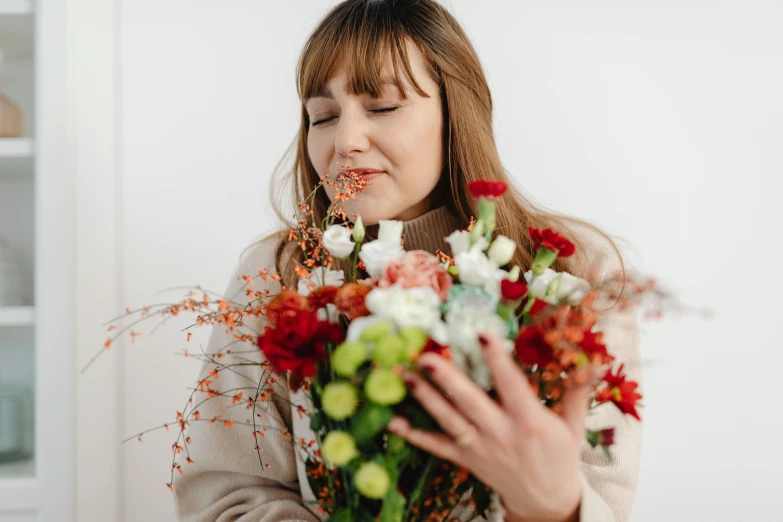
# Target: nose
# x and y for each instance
(351, 134)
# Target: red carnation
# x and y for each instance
(349, 299)
(322, 296)
(551, 240)
(512, 290)
(283, 303)
(620, 392)
(487, 189)
(531, 347)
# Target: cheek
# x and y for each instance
(316, 151)
(418, 150)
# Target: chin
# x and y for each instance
(370, 211)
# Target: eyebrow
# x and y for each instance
(326, 92)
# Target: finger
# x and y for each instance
(574, 406)
(510, 382)
(435, 443)
(472, 402)
(444, 412)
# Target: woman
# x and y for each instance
(396, 87)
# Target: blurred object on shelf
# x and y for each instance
(12, 280)
(10, 113)
(16, 427)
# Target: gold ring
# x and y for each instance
(467, 436)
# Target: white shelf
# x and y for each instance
(16, 158)
(16, 147)
(16, 7)
(17, 316)
(16, 470)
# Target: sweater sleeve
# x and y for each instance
(610, 485)
(227, 481)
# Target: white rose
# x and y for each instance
(321, 276)
(475, 268)
(463, 327)
(376, 256)
(389, 231)
(418, 307)
(502, 250)
(459, 241)
(337, 240)
(556, 287)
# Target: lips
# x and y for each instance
(366, 173)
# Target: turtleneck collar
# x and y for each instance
(427, 231)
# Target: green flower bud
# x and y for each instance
(384, 387)
(358, 230)
(513, 275)
(414, 339)
(389, 351)
(372, 480)
(486, 212)
(375, 332)
(347, 358)
(339, 448)
(544, 259)
(339, 400)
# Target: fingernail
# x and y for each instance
(410, 381)
(395, 424)
(427, 368)
(483, 340)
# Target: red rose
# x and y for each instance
(298, 343)
(606, 437)
(551, 240)
(531, 347)
(487, 189)
(512, 290)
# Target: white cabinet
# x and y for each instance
(36, 349)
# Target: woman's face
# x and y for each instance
(402, 138)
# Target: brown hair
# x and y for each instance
(360, 34)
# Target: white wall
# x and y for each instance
(661, 121)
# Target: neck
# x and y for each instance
(427, 231)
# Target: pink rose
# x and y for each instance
(418, 268)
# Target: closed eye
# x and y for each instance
(376, 111)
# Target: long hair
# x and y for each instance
(359, 35)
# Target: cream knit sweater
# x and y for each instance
(227, 483)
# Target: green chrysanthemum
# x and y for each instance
(339, 400)
(389, 351)
(347, 358)
(372, 480)
(339, 448)
(414, 339)
(375, 332)
(384, 387)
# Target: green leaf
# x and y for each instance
(393, 506)
(316, 421)
(369, 421)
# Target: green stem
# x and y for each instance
(416, 495)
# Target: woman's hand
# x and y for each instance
(528, 454)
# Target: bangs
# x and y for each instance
(363, 41)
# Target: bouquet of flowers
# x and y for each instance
(346, 335)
